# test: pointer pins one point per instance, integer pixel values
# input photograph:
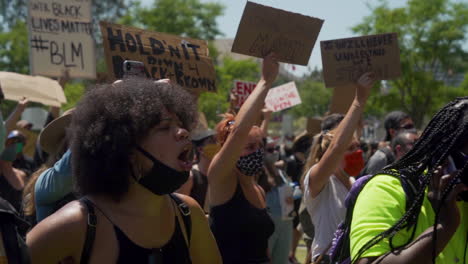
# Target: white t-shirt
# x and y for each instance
(327, 211)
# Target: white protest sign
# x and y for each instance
(61, 37)
(282, 97)
(242, 90)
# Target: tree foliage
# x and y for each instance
(191, 18)
(214, 104)
(431, 38)
(315, 98)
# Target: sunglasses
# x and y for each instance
(407, 126)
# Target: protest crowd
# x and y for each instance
(132, 174)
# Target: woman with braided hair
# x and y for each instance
(432, 227)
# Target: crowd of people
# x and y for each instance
(125, 178)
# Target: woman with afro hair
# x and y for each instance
(130, 151)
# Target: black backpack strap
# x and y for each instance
(13, 243)
(185, 211)
(90, 231)
(10, 241)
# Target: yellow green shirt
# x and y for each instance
(381, 204)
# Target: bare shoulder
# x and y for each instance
(72, 214)
(60, 235)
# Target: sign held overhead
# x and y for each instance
(61, 37)
(345, 60)
(39, 89)
(183, 60)
(264, 29)
(282, 97)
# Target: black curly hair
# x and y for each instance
(445, 134)
(109, 122)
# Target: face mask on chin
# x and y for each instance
(161, 179)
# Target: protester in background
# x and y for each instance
(18, 141)
(394, 122)
(130, 151)
(432, 226)
(306, 226)
(403, 142)
(238, 218)
(12, 180)
(12, 228)
(205, 147)
(294, 167)
(50, 187)
(279, 200)
(335, 157)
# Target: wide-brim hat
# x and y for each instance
(51, 136)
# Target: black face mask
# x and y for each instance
(251, 164)
(161, 179)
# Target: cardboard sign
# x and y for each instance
(342, 98)
(242, 90)
(264, 29)
(282, 97)
(314, 125)
(183, 60)
(345, 60)
(61, 36)
(36, 88)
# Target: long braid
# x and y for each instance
(438, 140)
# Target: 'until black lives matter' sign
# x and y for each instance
(61, 37)
(184, 61)
(345, 60)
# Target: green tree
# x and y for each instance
(14, 47)
(14, 55)
(214, 104)
(431, 38)
(190, 18)
(315, 98)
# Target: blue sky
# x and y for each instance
(339, 16)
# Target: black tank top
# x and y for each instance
(175, 251)
(241, 230)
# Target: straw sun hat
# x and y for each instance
(54, 132)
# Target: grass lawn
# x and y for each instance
(301, 251)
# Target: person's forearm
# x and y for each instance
(420, 250)
(250, 111)
(14, 117)
(347, 127)
(264, 127)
